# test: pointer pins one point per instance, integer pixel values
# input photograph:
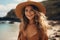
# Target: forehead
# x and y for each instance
(28, 7)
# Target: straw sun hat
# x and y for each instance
(20, 7)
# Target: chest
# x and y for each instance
(31, 30)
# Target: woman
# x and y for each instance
(31, 27)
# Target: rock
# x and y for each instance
(53, 9)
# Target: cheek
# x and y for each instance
(26, 14)
(33, 14)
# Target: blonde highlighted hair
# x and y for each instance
(43, 21)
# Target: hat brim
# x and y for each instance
(20, 6)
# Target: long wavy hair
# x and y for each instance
(38, 21)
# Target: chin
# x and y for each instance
(30, 18)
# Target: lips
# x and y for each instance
(30, 15)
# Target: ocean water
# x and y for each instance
(9, 31)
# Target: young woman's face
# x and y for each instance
(29, 12)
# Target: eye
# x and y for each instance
(26, 10)
(31, 10)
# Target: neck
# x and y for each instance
(31, 22)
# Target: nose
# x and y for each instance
(29, 12)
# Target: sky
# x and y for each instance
(7, 5)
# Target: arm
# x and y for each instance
(20, 31)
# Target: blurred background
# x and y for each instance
(9, 23)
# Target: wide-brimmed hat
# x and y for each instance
(20, 7)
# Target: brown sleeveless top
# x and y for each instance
(31, 34)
